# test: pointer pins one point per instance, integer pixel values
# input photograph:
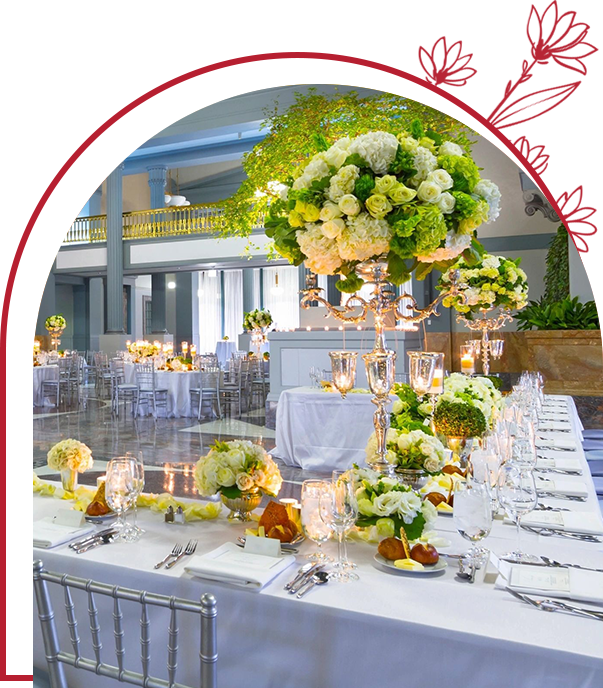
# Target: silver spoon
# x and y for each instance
(319, 578)
(302, 572)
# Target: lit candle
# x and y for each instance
(326, 328)
(437, 384)
(193, 350)
(308, 328)
(467, 364)
(184, 348)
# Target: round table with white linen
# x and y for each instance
(224, 350)
(320, 430)
(40, 374)
(178, 385)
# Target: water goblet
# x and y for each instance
(338, 509)
(347, 476)
(312, 524)
(472, 515)
(120, 491)
(517, 495)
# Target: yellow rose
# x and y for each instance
(401, 194)
(312, 213)
(378, 206)
(295, 219)
(385, 184)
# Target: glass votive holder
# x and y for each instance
(343, 369)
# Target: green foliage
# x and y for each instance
(364, 187)
(287, 145)
(459, 420)
(568, 314)
(351, 284)
(495, 380)
(410, 417)
(556, 279)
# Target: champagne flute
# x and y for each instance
(472, 515)
(517, 495)
(347, 476)
(313, 526)
(120, 491)
(338, 509)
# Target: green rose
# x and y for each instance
(385, 184)
(400, 194)
(378, 206)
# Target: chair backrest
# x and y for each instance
(117, 366)
(145, 376)
(100, 360)
(210, 378)
(206, 609)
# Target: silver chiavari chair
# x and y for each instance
(237, 389)
(56, 658)
(148, 392)
(59, 387)
(208, 391)
(120, 390)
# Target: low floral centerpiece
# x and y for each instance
(387, 505)
(141, 349)
(408, 412)
(70, 457)
(413, 200)
(241, 472)
(494, 282)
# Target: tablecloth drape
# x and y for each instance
(41, 373)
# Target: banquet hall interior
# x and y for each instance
(187, 308)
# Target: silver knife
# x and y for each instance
(303, 579)
(89, 538)
(102, 540)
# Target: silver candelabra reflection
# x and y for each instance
(485, 324)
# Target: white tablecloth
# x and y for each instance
(178, 385)
(371, 632)
(224, 350)
(41, 373)
(320, 430)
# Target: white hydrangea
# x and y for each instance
(491, 194)
(378, 148)
(363, 237)
(425, 162)
(322, 255)
(316, 169)
(454, 245)
(490, 261)
(343, 182)
(450, 148)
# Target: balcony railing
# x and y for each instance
(151, 224)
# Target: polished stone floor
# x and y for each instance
(171, 446)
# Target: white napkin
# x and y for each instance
(560, 463)
(230, 564)
(575, 522)
(554, 414)
(556, 440)
(552, 581)
(549, 425)
(48, 534)
(572, 488)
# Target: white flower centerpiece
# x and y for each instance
(241, 472)
(257, 322)
(55, 324)
(70, 457)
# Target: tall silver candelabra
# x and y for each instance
(485, 325)
(380, 362)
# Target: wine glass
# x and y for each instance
(347, 476)
(135, 530)
(338, 509)
(119, 491)
(472, 515)
(517, 495)
(313, 526)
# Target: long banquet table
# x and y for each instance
(384, 630)
(320, 430)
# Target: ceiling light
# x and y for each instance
(171, 285)
(276, 289)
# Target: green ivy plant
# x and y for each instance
(556, 278)
(312, 124)
(568, 314)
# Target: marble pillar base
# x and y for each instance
(164, 338)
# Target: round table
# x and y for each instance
(224, 350)
(40, 374)
(178, 385)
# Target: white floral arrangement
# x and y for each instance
(414, 198)
(387, 504)
(475, 391)
(494, 282)
(236, 467)
(414, 449)
(257, 320)
(70, 454)
(55, 322)
(143, 349)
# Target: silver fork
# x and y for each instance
(559, 471)
(548, 532)
(553, 562)
(555, 606)
(174, 553)
(189, 549)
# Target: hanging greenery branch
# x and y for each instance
(556, 278)
(312, 124)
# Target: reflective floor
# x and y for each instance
(172, 446)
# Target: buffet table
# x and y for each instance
(384, 630)
(40, 374)
(320, 430)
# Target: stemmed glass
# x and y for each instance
(120, 492)
(517, 495)
(135, 530)
(312, 524)
(472, 515)
(346, 476)
(338, 509)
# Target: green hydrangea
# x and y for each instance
(465, 205)
(459, 420)
(431, 229)
(463, 171)
(364, 186)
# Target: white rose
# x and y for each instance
(349, 204)
(244, 482)
(226, 476)
(431, 464)
(441, 178)
(429, 192)
(333, 228)
(329, 211)
(387, 503)
(397, 407)
(336, 156)
(449, 148)
(446, 203)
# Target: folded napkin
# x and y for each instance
(556, 440)
(555, 398)
(554, 414)
(584, 522)
(230, 564)
(560, 463)
(552, 581)
(48, 534)
(569, 487)
(548, 425)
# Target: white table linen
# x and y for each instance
(224, 350)
(178, 385)
(320, 430)
(370, 632)
(40, 374)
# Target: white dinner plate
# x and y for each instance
(432, 568)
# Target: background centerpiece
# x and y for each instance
(257, 322)
(494, 282)
(55, 324)
(376, 208)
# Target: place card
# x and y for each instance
(568, 487)
(542, 578)
(69, 517)
(268, 547)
